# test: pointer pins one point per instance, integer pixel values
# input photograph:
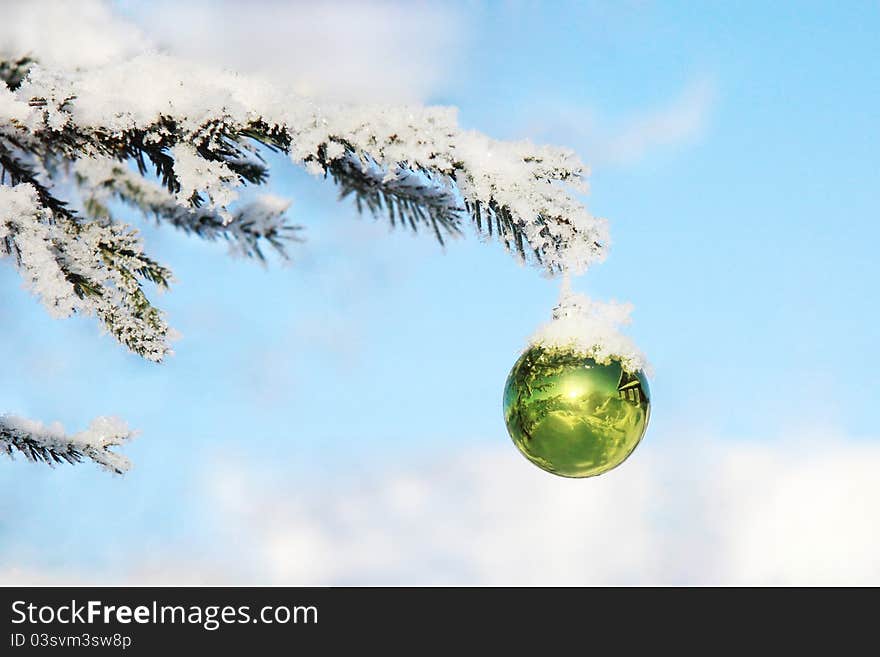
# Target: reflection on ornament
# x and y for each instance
(572, 416)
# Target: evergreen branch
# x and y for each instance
(88, 267)
(50, 445)
(246, 228)
(493, 219)
(412, 194)
(13, 168)
(407, 197)
(417, 169)
(113, 283)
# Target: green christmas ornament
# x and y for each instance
(572, 416)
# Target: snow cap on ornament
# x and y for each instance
(591, 329)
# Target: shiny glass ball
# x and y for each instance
(574, 417)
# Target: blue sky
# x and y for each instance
(736, 159)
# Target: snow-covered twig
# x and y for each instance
(84, 266)
(51, 445)
(263, 219)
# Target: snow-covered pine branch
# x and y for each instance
(51, 445)
(200, 131)
(178, 141)
(101, 180)
(75, 265)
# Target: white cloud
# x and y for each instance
(487, 518)
(805, 513)
(736, 513)
(741, 513)
(679, 122)
(369, 50)
(629, 139)
(374, 50)
(68, 34)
